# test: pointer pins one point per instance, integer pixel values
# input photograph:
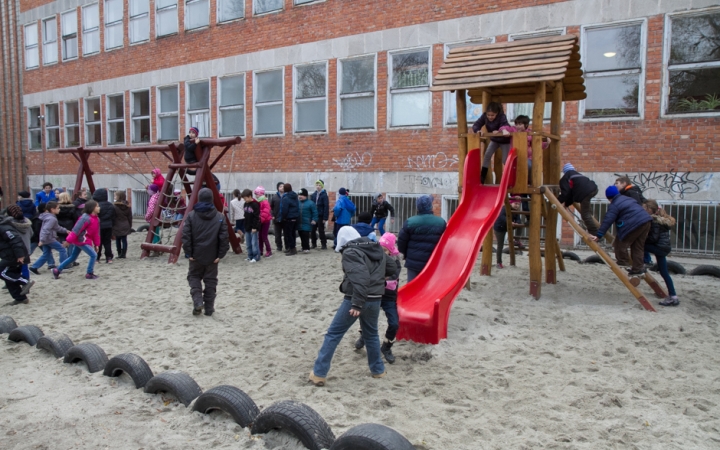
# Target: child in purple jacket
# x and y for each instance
(493, 119)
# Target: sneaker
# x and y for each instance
(670, 301)
(56, 273)
(500, 266)
(253, 261)
(379, 375)
(314, 246)
(268, 254)
(247, 259)
(51, 266)
(197, 311)
(306, 251)
(109, 261)
(26, 288)
(360, 343)
(37, 272)
(635, 273)
(19, 302)
(316, 380)
(386, 349)
(91, 276)
(324, 247)
(75, 264)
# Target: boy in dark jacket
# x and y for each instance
(380, 211)
(419, 236)
(106, 217)
(275, 209)
(13, 254)
(190, 143)
(577, 188)
(633, 225)
(320, 198)
(658, 243)
(251, 208)
(625, 187)
(289, 215)
(205, 241)
(26, 204)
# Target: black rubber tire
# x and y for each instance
(176, 383)
(506, 250)
(572, 256)
(594, 259)
(298, 419)
(7, 324)
(27, 333)
(713, 271)
(132, 365)
(371, 436)
(142, 228)
(230, 400)
(56, 343)
(91, 354)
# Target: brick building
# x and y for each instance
(339, 90)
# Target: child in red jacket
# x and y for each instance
(85, 236)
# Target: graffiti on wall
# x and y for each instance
(429, 181)
(439, 160)
(673, 183)
(354, 160)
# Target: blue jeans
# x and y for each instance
(253, 245)
(340, 325)
(393, 320)
(411, 274)
(381, 224)
(75, 253)
(47, 255)
(240, 225)
(662, 267)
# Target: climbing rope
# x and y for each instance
(121, 169)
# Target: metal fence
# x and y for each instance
(405, 207)
(140, 199)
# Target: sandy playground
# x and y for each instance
(584, 367)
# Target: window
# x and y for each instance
(269, 118)
(91, 29)
(693, 63)
(232, 106)
(50, 49)
(34, 127)
(140, 115)
(197, 14)
(113, 24)
(32, 58)
(69, 35)
(410, 89)
(93, 126)
(139, 24)
(301, 2)
(265, 6)
(230, 9)
(311, 98)
(116, 119)
(166, 17)
(72, 124)
(198, 106)
(357, 93)
(52, 126)
(473, 111)
(168, 113)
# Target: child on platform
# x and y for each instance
(158, 179)
(493, 119)
(252, 226)
(48, 237)
(190, 142)
(85, 236)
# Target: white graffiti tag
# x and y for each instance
(354, 160)
(437, 161)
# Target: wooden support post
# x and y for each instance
(552, 176)
(519, 142)
(86, 168)
(536, 200)
(510, 232)
(462, 129)
(486, 265)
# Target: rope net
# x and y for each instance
(173, 209)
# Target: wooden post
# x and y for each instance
(486, 265)
(519, 142)
(462, 129)
(536, 199)
(552, 176)
(510, 232)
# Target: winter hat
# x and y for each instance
(388, 241)
(197, 132)
(342, 191)
(24, 194)
(259, 191)
(15, 212)
(568, 167)
(155, 172)
(303, 192)
(205, 195)
(154, 188)
(611, 192)
(424, 204)
(321, 183)
(277, 186)
(345, 235)
(515, 200)
(365, 217)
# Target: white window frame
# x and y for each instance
(93, 123)
(64, 37)
(87, 31)
(49, 128)
(67, 125)
(667, 37)
(640, 72)
(282, 8)
(160, 115)
(255, 91)
(220, 109)
(37, 129)
(296, 100)
(217, 4)
(449, 101)
(110, 25)
(187, 15)
(136, 17)
(35, 46)
(109, 120)
(391, 91)
(158, 10)
(49, 43)
(189, 113)
(340, 97)
(134, 118)
(309, 2)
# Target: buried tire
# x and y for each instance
(506, 250)
(298, 419)
(594, 259)
(230, 400)
(27, 333)
(176, 383)
(56, 343)
(572, 256)
(7, 324)
(142, 228)
(713, 271)
(131, 364)
(372, 436)
(91, 354)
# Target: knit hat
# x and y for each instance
(568, 167)
(365, 217)
(611, 192)
(24, 194)
(197, 132)
(205, 195)
(342, 191)
(424, 204)
(345, 235)
(321, 183)
(388, 241)
(303, 192)
(154, 188)
(15, 212)
(259, 191)
(515, 200)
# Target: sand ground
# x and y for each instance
(584, 367)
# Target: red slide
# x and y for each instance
(424, 304)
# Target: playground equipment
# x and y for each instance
(527, 71)
(165, 227)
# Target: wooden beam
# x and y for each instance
(486, 263)
(510, 232)
(483, 69)
(545, 42)
(540, 55)
(519, 141)
(462, 128)
(535, 259)
(496, 81)
(552, 176)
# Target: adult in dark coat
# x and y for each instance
(122, 224)
(106, 217)
(205, 241)
(289, 215)
(322, 203)
(419, 236)
(577, 188)
(275, 209)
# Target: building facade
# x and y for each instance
(339, 90)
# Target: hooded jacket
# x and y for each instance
(67, 215)
(364, 229)
(107, 209)
(265, 213)
(626, 213)
(86, 231)
(289, 207)
(50, 228)
(633, 192)
(22, 229)
(251, 211)
(322, 203)
(308, 214)
(275, 206)
(204, 232)
(659, 234)
(365, 267)
(122, 224)
(419, 237)
(28, 208)
(344, 210)
(12, 246)
(575, 187)
(190, 145)
(382, 210)
(42, 197)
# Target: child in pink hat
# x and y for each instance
(265, 220)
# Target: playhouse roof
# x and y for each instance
(509, 71)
